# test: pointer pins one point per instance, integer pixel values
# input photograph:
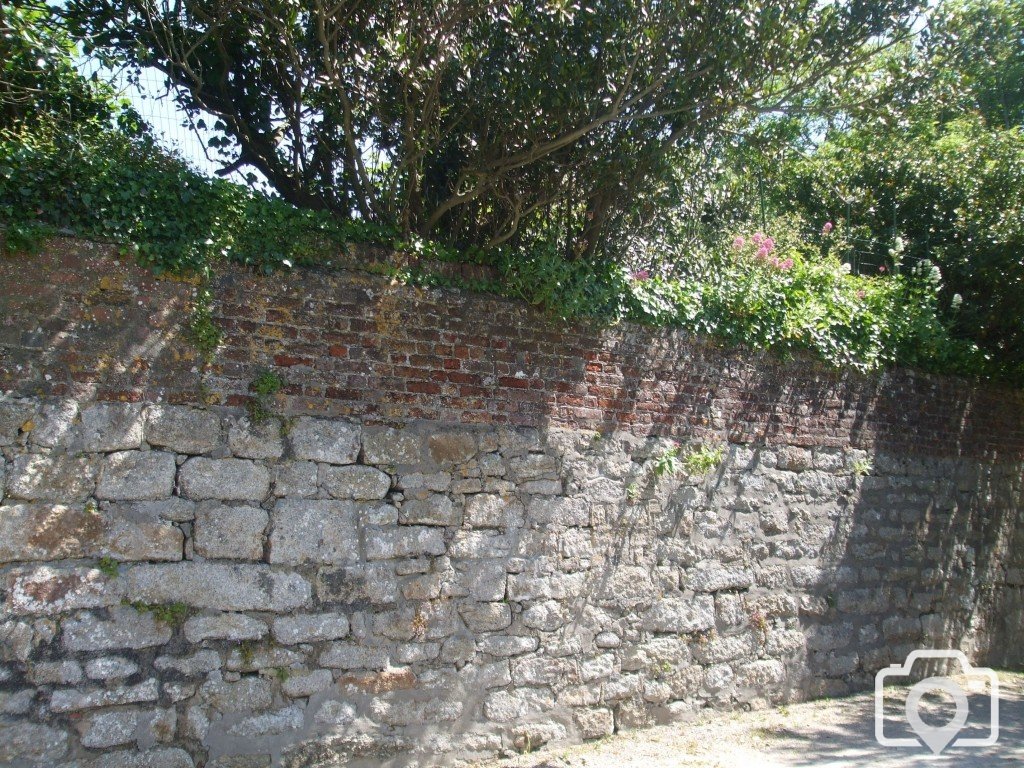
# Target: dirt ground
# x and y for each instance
(834, 733)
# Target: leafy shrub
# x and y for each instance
(795, 295)
(99, 181)
(703, 459)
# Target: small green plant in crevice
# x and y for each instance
(258, 411)
(247, 652)
(171, 614)
(666, 463)
(759, 622)
(698, 461)
(703, 636)
(264, 386)
(862, 467)
(203, 332)
(266, 383)
(702, 460)
(282, 674)
(632, 492)
(108, 566)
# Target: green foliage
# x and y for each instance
(862, 467)
(696, 461)
(247, 652)
(264, 386)
(108, 566)
(566, 289)
(954, 190)
(205, 334)
(973, 57)
(701, 460)
(800, 297)
(258, 410)
(936, 158)
(38, 77)
(171, 614)
(266, 383)
(478, 123)
(667, 463)
(103, 182)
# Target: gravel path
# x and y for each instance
(835, 733)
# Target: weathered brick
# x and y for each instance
(224, 479)
(256, 441)
(218, 586)
(14, 414)
(310, 628)
(183, 430)
(126, 628)
(245, 695)
(452, 447)
(314, 532)
(407, 541)
(136, 476)
(489, 510)
(436, 509)
(40, 744)
(112, 427)
(393, 447)
(224, 626)
(355, 482)
(231, 533)
(62, 478)
(330, 442)
(71, 699)
(681, 615)
(48, 590)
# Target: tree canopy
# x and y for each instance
(480, 122)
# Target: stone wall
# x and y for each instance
(398, 566)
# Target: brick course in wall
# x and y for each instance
(76, 321)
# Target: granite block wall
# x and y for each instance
(449, 535)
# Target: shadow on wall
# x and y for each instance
(854, 519)
(79, 321)
(926, 560)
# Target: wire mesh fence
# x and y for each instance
(183, 134)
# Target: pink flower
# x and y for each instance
(642, 274)
(768, 243)
(786, 264)
(758, 238)
(827, 228)
(739, 242)
(861, 294)
(882, 268)
(762, 252)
